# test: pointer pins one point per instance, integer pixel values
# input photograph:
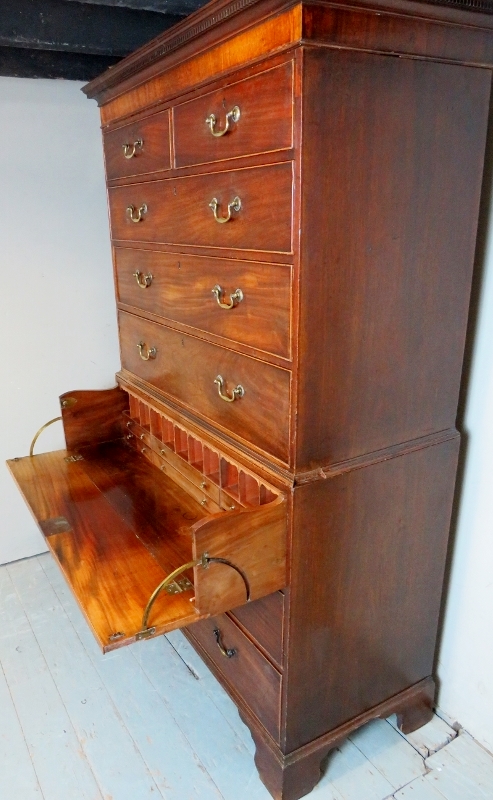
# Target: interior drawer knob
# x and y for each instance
(137, 214)
(131, 150)
(231, 116)
(146, 352)
(234, 298)
(237, 392)
(226, 651)
(235, 205)
(144, 281)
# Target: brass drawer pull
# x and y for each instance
(146, 352)
(231, 116)
(234, 298)
(144, 281)
(238, 391)
(137, 217)
(226, 651)
(130, 150)
(235, 205)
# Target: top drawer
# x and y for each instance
(252, 116)
(138, 147)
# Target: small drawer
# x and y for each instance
(246, 670)
(138, 148)
(252, 210)
(227, 502)
(175, 474)
(263, 620)
(190, 370)
(203, 485)
(251, 116)
(194, 290)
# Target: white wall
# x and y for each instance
(465, 666)
(57, 312)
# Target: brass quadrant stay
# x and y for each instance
(31, 449)
(204, 562)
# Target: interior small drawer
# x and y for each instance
(138, 147)
(247, 302)
(250, 116)
(247, 397)
(244, 668)
(263, 621)
(246, 209)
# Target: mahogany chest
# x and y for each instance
(294, 192)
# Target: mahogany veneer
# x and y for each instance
(329, 309)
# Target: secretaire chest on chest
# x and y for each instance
(293, 195)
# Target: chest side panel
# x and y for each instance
(391, 178)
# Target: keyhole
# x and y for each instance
(224, 103)
(179, 265)
(174, 190)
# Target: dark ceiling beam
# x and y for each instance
(164, 6)
(78, 27)
(72, 40)
(16, 62)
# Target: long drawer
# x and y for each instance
(246, 670)
(254, 115)
(138, 147)
(183, 211)
(180, 288)
(186, 369)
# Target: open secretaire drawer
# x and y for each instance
(141, 551)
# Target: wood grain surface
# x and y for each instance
(247, 670)
(185, 368)
(265, 122)
(178, 210)
(153, 132)
(106, 564)
(385, 293)
(263, 621)
(181, 290)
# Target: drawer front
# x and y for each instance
(185, 368)
(178, 210)
(124, 156)
(178, 287)
(256, 115)
(248, 672)
(263, 620)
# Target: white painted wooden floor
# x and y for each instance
(150, 721)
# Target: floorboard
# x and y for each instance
(53, 745)
(14, 751)
(151, 721)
